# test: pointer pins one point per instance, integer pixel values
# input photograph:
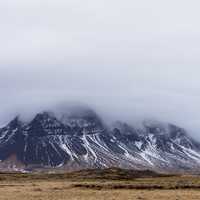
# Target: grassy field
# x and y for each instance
(98, 185)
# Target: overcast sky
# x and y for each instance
(129, 59)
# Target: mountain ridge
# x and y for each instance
(82, 140)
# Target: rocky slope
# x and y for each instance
(82, 140)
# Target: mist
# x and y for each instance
(128, 60)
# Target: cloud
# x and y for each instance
(127, 59)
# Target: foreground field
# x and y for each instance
(92, 187)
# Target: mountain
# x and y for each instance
(81, 140)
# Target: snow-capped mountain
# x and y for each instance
(82, 140)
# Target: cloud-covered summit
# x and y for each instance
(127, 59)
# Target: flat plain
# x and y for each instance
(112, 184)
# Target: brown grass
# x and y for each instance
(90, 174)
(62, 187)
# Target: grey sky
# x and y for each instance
(132, 59)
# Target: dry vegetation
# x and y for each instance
(112, 184)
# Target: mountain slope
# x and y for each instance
(82, 140)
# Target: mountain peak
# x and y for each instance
(16, 122)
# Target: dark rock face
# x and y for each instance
(83, 140)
